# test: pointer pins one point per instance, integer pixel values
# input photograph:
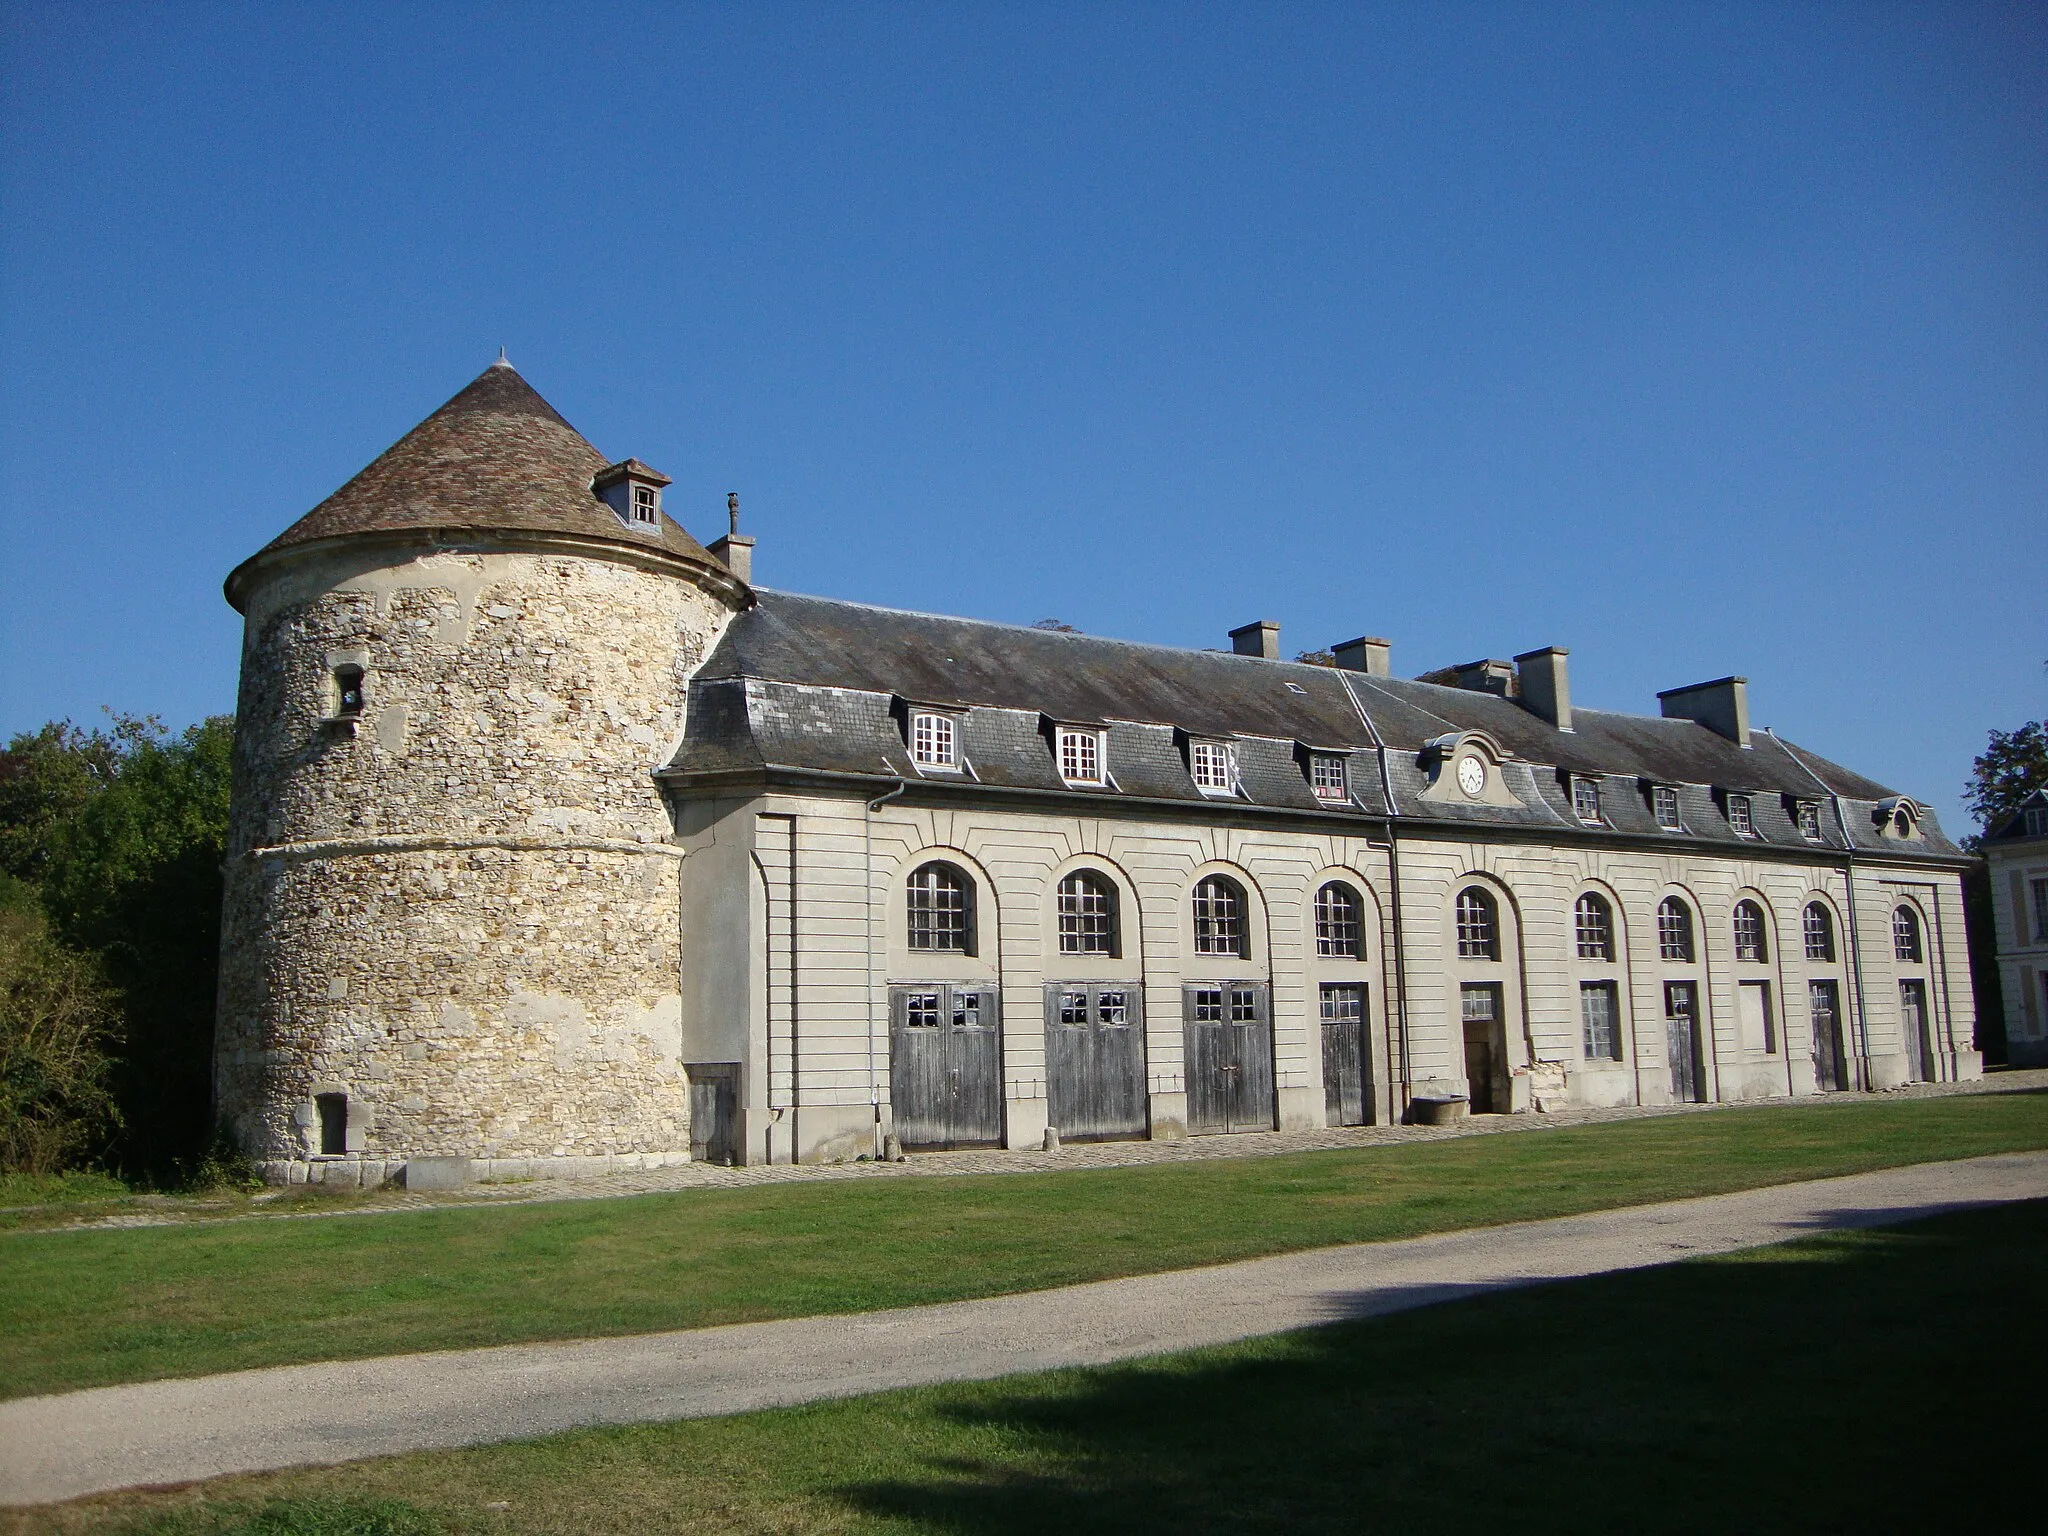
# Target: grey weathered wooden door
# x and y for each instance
(1095, 1059)
(714, 1111)
(945, 1065)
(1828, 1073)
(1913, 1025)
(1343, 1009)
(1682, 1043)
(1479, 1010)
(1228, 1033)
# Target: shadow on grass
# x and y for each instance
(1833, 1384)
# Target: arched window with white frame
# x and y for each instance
(940, 908)
(1478, 925)
(1593, 926)
(1340, 922)
(1087, 914)
(1220, 918)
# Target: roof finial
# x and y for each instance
(732, 510)
(503, 361)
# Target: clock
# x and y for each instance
(1471, 776)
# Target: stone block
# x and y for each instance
(436, 1173)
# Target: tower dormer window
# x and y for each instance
(1326, 776)
(1586, 800)
(633, 491)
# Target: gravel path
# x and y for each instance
(1112, 1154)
(76, 1443)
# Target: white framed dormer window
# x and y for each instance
(2037, 821)
(645, 504)
(1586, 800)
(1809, 820)
(1738, 816)
(1080, 755)
(1209, 762)
(934, 740)
(1664, 802)
(1326, 776)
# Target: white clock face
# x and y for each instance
(1471, 775)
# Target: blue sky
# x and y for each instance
(1699, 339)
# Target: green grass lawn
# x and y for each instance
(1869, 1381)
(90, 1307)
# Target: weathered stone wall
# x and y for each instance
(462, 910)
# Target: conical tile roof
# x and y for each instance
(495, 458)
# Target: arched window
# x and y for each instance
(1087, 914)
(1219, 918)
(1749, 932)
(1674, 930)
(1594, 921)
(1478, 933)
(941, 909)
(1906, 935)
(1340, 928)
(1819, 924)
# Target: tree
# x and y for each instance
(1316, 658)
(2013, 766)
(57, 1025)
(120, 833)
(1057, 626)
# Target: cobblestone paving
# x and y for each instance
(1116, 1154)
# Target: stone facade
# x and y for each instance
(558, 847)
(2017, 855)
(458, 909)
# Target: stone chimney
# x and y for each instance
(1368, 654)
(735, 551)
(1721, 706)
(1260, 638)
(1546, 685)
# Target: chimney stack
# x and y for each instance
(735, 551)
(1368, 654)
(1260, 638)
(1721, 706)
(1545, 684)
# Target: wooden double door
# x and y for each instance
(1682, 1042)
(1830, 1065)
(1345, 1012)
(1095, 1059)
(1227, 1030)
(946, 1064)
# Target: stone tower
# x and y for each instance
(451, 926)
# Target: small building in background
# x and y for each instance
(2016, 852)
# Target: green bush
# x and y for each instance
(57, 1030)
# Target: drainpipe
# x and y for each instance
(867, 849)
(1394, 874)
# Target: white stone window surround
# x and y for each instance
(1817, 927)
(1087, 914)
(1907, 947)
(1080, 754)
(1328, 776)
(1664, 806)
(1593, 927)
(1808, 815)
(1740, 821)
(934, 740)
(1478, 925)
(1586, 800)
(1749, 925)
(1213, 766)
(1340, 922)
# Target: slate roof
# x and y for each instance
(496, 457)
(818, 684)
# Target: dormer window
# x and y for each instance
(1739, 818)
(1664, 802)
(1209, 762)
(633, 491)
(1080, 755)
(2036, 821)
(934, 740)
(1809, 820)
(1586, 800)
(1326, 776)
